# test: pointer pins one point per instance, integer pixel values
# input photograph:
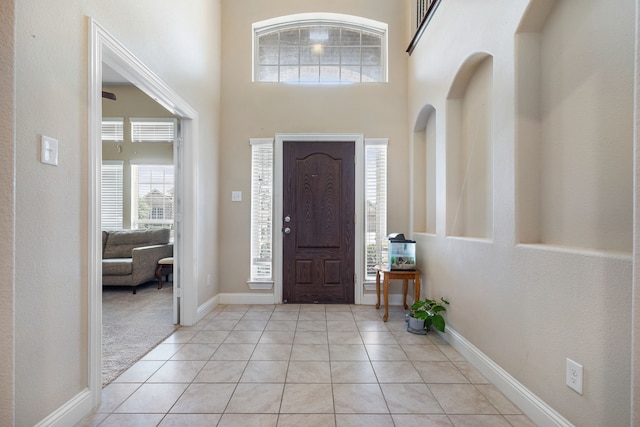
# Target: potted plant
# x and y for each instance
(426, 313)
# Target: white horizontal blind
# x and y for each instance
(153, 129)
(375, 203)
(111, 195)
(261, 209)
(113, 129)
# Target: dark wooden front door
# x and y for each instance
(318, 223)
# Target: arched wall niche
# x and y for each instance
(574, 170)
(469, 150)
(424, 171)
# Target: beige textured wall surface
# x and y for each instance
(259, 110)
(7, 213)
(529, 307)
(181, 45)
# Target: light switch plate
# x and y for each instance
(49, 151)
(236, 196)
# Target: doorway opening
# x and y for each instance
(105, 50)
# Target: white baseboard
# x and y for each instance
(247, 298)
(71, 413)
(206, 308)
(534, 407)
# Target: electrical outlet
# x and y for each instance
(574, 376)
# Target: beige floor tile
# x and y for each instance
(473, 375)
(234, 352)
(340, 315)
(201, 398)
(359, 399)
(262, 307)
(451, 353)
(195, 352)
(265, 371)
(255, 398)
(237, 308)
(312, 326)
(248, 420)
(243, 337)
(162, 352)
(177, 371)
(410, 399)
(366, 315)
(396, 372)
(439, 372)
(190, 420)
(287, 307)
(364, 420)
(284, 316)
(341, 326)
(347, 352)
(404, 337)
(229, 315)
(312, 307)
(520, 421)
(385, 352)
(140, 371)
(277, 337)
(251, 325)
(307, 399)
(220, 325)
(337, 307)
(152, 399)
(180, 337)
(397, 323)
(300, 420)
(337, 337)
(272, 352)
(424, 353)
(309, 372)
(421, 420)
(310, 337)
(436, 338)
(137, 420)
(479, 421)
(114, 394)
(377, 337)
(221, 371)
(312, 315)
(499, 400)
(92, 420)
(352, 372)
(310, 352)
(281, 325)
(461, 399)
(209, 337)
(256, 315)
(371, 325)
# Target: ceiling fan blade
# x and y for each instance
(108, 95)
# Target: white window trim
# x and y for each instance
(134, 188)
(261, 27)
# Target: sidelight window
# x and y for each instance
(261, 210)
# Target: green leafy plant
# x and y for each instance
(429, 310)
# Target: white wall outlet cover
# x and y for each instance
(49, 151)
(574, 376)
(236, 196)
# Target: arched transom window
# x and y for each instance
(320, 48)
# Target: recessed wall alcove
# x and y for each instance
(424, 171)
(574, 135)
(470, 150)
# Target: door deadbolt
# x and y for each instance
(287, 218)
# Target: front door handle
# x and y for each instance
(286, 230)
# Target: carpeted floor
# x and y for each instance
(132, 325)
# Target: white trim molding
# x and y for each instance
(534, 407)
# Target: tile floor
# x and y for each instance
(303, 365)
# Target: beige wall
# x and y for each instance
(7, 214)
(253, 110)
(181, 45)
(562, 168)
(132, 102)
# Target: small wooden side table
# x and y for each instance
(405, 276)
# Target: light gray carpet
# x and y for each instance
(132, 325)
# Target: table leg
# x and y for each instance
(405, 288)
(416, 287)
(386, 297)
(378, 288)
